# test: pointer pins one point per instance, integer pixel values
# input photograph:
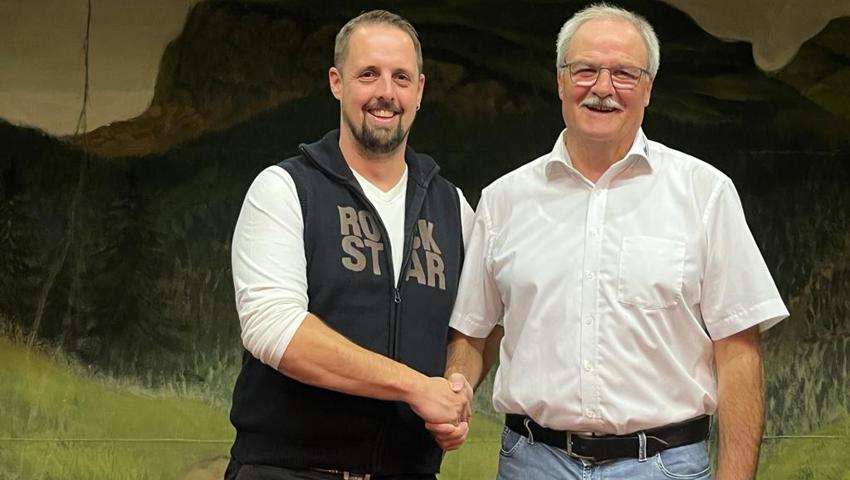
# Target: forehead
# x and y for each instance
(608, 40)
(381, 45)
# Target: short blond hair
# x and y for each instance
(374, 17)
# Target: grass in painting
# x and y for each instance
(478, 458)
(58, 424)
(819, 455)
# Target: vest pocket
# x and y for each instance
(651, 271)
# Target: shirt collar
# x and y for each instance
(559, 158)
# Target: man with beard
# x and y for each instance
(346, 260)
(631, 290)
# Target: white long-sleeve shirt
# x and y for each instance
(269, 264)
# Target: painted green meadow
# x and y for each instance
(59, 422)
(479, 456)
(824, 455)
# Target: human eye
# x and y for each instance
(403, 78)
(626, 73)
(367, 75)
(584, 70)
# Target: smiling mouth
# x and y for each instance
(384, 114)
(600, 109)
(597, 104)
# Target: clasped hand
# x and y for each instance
(450, 433)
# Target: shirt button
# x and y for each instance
(588, 319)
(589, 275)
(589, 413)
(594, 232)
(587, 366)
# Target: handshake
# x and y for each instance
(446, 407)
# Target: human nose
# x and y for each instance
(385, 88)
(604, 83)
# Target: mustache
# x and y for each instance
(594, 101)
(383, 104)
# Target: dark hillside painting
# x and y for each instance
(119, 340)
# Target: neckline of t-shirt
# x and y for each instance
(373, 192)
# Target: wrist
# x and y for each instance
(411, 386)
(457, 369)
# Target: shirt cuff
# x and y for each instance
(273, 357)
(765, 315)
(471, 326)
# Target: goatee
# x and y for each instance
(379, 141)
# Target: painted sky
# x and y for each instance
(41, 49)
(41, 58)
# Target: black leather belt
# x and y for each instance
(606, 447)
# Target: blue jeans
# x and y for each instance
(521, 459)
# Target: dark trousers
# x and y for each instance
(237, 471)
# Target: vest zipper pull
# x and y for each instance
(396, 295)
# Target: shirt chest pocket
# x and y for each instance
(651, 272)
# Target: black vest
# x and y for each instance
(280, 421)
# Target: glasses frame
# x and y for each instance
(566, 66)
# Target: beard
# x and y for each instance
(379, 141)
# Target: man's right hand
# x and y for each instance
(461, 385)
(451, 435)
(447, 436)
(437, 402)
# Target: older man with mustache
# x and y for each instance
(631, 290)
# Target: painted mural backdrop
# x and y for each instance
(120, 342)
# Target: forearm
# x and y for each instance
(740, 405)
(319, 356)
(491, 350)
(465, 355)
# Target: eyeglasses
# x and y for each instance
(586, 75)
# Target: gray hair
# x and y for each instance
(603, 11)
(374, 17)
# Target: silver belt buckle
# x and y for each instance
(355, 476)
(346, 475)
(570, 449)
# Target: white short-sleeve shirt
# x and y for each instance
(612, 293)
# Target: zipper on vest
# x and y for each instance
(388, 255)
(392, 347)
(394, 325)
(405, 263)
